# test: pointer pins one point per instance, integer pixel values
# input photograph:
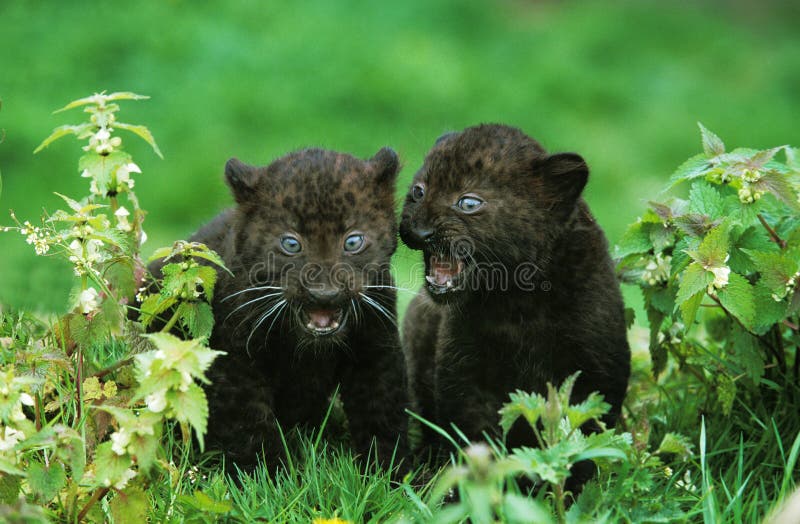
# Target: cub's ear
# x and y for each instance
(445, 137)
(241, 178)
(386, 164)
(565, 175)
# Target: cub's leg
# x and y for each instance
(420, 329)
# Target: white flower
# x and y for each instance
(119, 441)
(9, 438)
(124, 174)
(157, 401)
(88, 300)
(26, 399)
(127, 475)
(102, 135)
(720, 276)
(122, 219)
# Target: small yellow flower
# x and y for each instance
(334, 520)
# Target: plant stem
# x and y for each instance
(171, 323)
(788, 323)
(97, 495)
(113, 367)
(772, 234)
(561, 510)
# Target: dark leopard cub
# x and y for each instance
(520, 289)
(310, 307)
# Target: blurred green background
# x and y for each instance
(622, 83)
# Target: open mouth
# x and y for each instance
(444, 274)
(322, 321)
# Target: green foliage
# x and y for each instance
(732, 256)
(73, 433)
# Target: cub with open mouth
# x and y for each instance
(310, 307)
(519, 288)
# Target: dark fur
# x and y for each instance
(466, 351)
(276, 372)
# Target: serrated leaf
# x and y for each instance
(676, 444)
(592, 408)
(761, 158)
(695, 224)
(193, 409)
(769, 310)
(130, 506)
(635, 240)
(95, 99)
(706, 200)
(689, 308)
(693, 280)
(211, 256)
(46, 482)
(63, 131)
(530, 406)
(198, 318)
(737, 298)
(747, 354)
(778, 184)
(726, 392)
(694, 167)
(143, 133)
(110, 468)
(206, 504)
(713, 250)
(712, 144)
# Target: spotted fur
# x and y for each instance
(277, 372)
(560, 309)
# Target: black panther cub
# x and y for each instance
(520, 289)
(311, 304)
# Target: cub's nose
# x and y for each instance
(422, 234)
(416, 237)
(324, 296)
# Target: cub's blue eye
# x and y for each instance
(290, 244)
(417, 192)
(469, 204)
(354, 243)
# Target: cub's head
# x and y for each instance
(486, 207)
(313, 235)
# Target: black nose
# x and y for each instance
(324, 296)
(422, 235)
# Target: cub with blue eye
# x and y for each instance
(311, 304)
(520, 289)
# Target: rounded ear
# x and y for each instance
(444, 137)
(387, 165)
(241, 178)
(565, 175)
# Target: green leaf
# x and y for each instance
(590, 409)
(527, 405)
(63, 131)
(737, 298)
(676, 444)
(769, 310)
(726, 392)
(693, 280)
(46, 482)
(130, 506)
(747, 354)
(712, 144)
(689, 308)
(713, 250)
(198, 318)
(110, 468)
(9, 488)
(694, 167)
(202, 502)
(706, 200)
(776, 269)
(635, 240)
(779, 185)
(143, 133)
(98, 98)
(695, 224)
(525, 510)
(192, 408)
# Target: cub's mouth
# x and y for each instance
(321, 322)
(445, 274)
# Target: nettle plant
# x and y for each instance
(720, 269)
(485, 477)
(84, 401)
